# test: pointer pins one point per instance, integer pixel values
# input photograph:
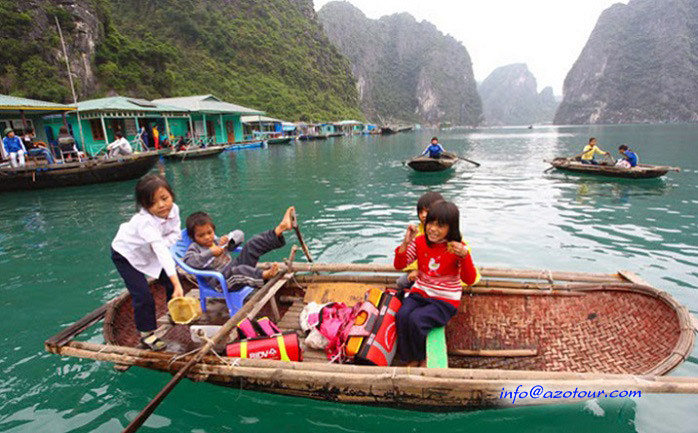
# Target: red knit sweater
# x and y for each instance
(439, 272)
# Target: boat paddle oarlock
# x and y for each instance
(250, 308)
(297, 229)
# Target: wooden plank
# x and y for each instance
(349, 293)
(436, 348)
(76, 328)
(633, 278)
(506, 353)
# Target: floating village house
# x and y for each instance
(261, 125)
(349, 127)
(327, 128)
(217, 121)
(21, 114)
(96, 121)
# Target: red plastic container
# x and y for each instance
(283, 347)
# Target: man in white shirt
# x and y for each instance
(120, 147)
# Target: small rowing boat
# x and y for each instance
(85, 172)
(206, 152)
(642, 171)
(558, 330)
(424, 163)
(279, 140)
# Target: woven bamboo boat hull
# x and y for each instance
(424, 163)
(590, 331)
(78, 173)
(642, 171)
(209, 152)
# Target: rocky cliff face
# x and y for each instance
(272, 55)
(510, 97)
(639, 65)
(406, 70)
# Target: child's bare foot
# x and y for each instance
(423, 363)
(286, 223)
(412, 364)
(271, 272)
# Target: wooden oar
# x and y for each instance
(304, 247)
(477, 164)
(223, 332)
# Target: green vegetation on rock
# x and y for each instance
(271, 55)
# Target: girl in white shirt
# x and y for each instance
(142, 248)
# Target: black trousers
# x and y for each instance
(242, 271)
(417, 316)
(142, 298)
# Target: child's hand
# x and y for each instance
(410, 234)
(457, 248)
(216, 250)
(412, 276)
(223, 241)
(178, 291)
(271, 272)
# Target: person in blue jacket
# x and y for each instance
(434, 149)
(13, 148)
(628, 155)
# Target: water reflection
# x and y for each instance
(430, 179)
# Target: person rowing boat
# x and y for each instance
(434, 150)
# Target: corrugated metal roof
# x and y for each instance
(208, 104)
(253, 119)
(15, 103)
(121, 103)
(348, 122)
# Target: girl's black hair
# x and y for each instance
(198, 219)
(591, 139)
(445, 212)
(427, 199)
(623, 147)
(146, 187)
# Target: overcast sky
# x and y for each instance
(548, 35)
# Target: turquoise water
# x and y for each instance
(354, 198)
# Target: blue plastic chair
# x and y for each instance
(233, 300)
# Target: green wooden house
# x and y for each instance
(213, 119)
(96, 121)
(22, 113)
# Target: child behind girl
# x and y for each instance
(423, 204)
(142, 248)
(209, 252)
(443, 261)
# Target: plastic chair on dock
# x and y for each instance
(233, 300)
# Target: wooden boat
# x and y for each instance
(387, 130)
(424, 163)
(77, 173)
(253, 144)
(279, 140)
(558, 330)
(310, 137)
(206, 152)
(335, 134)
(642, 171)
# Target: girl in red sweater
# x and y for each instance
(443, 261)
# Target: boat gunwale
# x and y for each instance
(679, 353)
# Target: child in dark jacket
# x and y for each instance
(208, 252)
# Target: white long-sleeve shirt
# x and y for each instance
(120, 147)
(145, 241)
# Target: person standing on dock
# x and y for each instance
(156, 137)
(434, 149)
(589, 151)
(14, 148)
